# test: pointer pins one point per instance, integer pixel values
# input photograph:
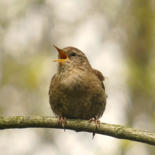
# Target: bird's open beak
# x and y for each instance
(62, 55)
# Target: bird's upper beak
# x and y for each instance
(62, 55)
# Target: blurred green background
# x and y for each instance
(119, 39)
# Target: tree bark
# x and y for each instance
(116, 131)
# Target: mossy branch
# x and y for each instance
(116, 131)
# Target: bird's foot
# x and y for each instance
(62, 120)
(97, 123)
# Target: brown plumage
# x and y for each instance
(76, 90)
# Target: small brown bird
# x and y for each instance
(77, 90)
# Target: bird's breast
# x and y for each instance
(72, 82)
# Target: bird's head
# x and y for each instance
(69, 57)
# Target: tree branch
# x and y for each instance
(116, 131)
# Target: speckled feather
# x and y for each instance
(77, 90)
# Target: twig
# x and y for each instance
(116, 131)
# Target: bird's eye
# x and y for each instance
(73, 54)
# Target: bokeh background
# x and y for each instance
(119, 39)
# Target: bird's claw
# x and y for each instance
(97, 123)
(62, 120)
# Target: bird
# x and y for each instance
(76, 90)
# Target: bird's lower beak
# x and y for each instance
(62, 55)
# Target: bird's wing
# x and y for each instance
(52, 84)
(100, 77)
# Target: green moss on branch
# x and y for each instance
(116, 131)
